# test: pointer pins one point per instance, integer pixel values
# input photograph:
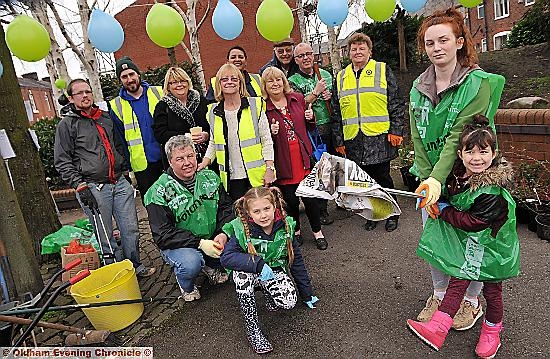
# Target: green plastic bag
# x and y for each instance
(53, 242)
(472, 255)
(84, 223)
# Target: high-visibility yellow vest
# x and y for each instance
(249, 140)
(255, 81)
(364, 101)
(132, 132)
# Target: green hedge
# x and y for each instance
(45, 131)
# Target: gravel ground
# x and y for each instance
(368, 283)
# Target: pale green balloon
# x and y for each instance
(164, 26)
(274, 20)
(27, 39)
(380, 10)
(60, 84)
(470, 3)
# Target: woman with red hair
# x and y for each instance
(443, 99)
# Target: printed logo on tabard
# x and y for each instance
(369, 72)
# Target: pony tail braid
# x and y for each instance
(290, 251)
(241, 213)
(279, 201)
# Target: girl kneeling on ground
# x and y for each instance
(474, 238)
(262, 252)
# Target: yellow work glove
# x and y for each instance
(210, 248)
(432, 188)
(395, 140)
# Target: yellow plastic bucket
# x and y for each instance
(110, 283)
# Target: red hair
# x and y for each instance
(467, 55)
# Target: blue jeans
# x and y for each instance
(117, 200)
(187, 264)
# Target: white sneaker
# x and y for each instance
(191, 296)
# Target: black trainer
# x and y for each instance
(391, 224)
(369, 225)
(321, 243)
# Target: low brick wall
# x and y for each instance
(524, 133)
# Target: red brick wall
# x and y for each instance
(524, 134)
(477, 26)
(145, 53)
(39, 95)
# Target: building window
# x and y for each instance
(502, 9)
(499, 40)
(529, 2)
(33, 104)
(47, 99)
(483, 45)
(480, 11)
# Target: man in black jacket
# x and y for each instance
(89, 158)
(283, 57)
(187, 210)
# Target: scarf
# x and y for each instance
(184, 111)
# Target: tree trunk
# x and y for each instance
(334, 51)
(32, 191)
(55, 63)
(301, 20)
(172, 57)
(89, 52)
(401, 40)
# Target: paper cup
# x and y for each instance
(195, 130)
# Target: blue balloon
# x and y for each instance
(332, 12)
(227, 20)
(1, 69)
(413, 5)
(105, 32)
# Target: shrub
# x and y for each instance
(533, 28)
(45, 131)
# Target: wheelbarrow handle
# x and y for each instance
(80, 275)
(72, 264)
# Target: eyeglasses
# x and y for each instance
(301, 56)
(227, 79)
(179, 82)
(282, 50)
(82, 93)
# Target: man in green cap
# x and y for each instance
(132, 113)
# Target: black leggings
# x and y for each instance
(238, 187)
(313, 210)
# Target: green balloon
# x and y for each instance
(380, 10)
(60, 84)
(27, 39)
(164, 26)
(274, 20)
(470, 3)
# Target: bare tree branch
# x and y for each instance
(204, 16)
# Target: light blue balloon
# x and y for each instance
(227, 20)
(105, 32)
(332, 12)
(413, 5)
(1, 69)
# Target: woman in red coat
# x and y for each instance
(290, 119)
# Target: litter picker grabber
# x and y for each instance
(104, 255)
(16, 311)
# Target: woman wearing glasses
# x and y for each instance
(240, 139)
(290, 120)
(181, 110)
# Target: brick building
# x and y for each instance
(37, 96)
(490, 23)
(146, 54)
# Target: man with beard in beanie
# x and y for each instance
(132, 113)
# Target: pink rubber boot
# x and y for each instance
(489, 341)
(433, 332)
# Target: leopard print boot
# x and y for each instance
(259, 342)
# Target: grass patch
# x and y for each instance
(539, 85)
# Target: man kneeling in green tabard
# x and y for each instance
(187, 210)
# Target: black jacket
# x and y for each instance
(369, 150)
(163, 222)
(233, 257)
(79, 153)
